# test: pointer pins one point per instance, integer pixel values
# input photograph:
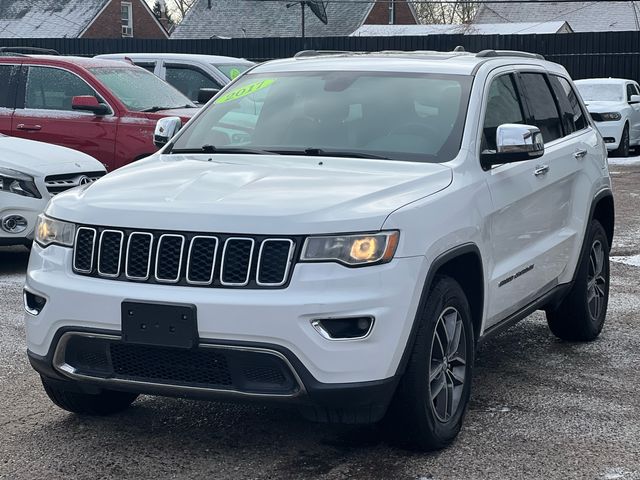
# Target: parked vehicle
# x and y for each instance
(614, 104)
(31, 173)
(103, 108)
(338, 231)
(189, 73)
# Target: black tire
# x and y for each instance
(414, 418)
(624, 148)
(580, 316)
(104, 403)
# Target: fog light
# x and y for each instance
(350, 328)
(33, 303)
(14, 224)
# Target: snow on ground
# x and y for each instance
(633, 260)
(624, 161)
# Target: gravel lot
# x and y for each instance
(541, 408)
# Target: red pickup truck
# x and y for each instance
(107, 109)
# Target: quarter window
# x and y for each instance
(53, 89)
(573, 117)
(542, 105)
(503, 106)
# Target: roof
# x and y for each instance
(604, 80)
(47, 18)
(474, 29)
(454, 63)
(265, 18)
(83, 62)
(582, 16)
(217, 59)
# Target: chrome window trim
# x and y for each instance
(177, 279)
(93, 249)
(126, 260)
(224, 255)
(60, 365)
(111, 275)
(287, 266)
(213, 264)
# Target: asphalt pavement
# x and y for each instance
(541, 408)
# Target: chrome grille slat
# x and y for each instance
(184, 258)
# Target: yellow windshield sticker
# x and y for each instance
(245, 90)
(234, 73)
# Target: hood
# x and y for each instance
(40, 159)
(602, 107)
(247, 194)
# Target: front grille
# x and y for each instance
(59, 183)
(209, 367)
(204, 260)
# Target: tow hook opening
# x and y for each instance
(33, 304)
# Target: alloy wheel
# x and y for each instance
(596, 281)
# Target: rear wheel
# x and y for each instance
(623, 148)
(581, 314)
(433, 394)
(104, 403)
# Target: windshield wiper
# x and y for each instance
(320, 152)
(214, 149)
(157, 108)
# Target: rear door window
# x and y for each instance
(503, 106)
(542, 106)
(7, 97)
(573, 117)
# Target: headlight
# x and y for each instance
(610, 116)
(50, 231)
(19, 183)
(352, 250)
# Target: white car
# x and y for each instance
(31, 173)
(339, 232)
(189, 73)
(614, 104)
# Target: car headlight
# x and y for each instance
(610, 116)
(19, 183)
(51, 231)
(352, 250)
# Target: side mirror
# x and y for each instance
(89, 103)
(206, 94)
(634, 99)
(514, 143)
(166, 128)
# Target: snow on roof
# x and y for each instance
(47, 18)
(474, 29)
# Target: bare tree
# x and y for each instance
(179, 7)
(435, 12)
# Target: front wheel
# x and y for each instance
(623, 148)
(581, 314)
(432, 397)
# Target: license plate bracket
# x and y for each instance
(159, 324)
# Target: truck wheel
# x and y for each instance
(104, 403)
(432, 397)
(581, 314)
(623, 148)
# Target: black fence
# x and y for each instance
(600, 54)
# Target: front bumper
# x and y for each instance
(280, 319)
(28, 208)
(611, 132)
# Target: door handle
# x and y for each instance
(28, 128)
(541, 170)
(580, 154)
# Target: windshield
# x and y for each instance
(398, 116)
(231, 71)
(140, 90)
(600, 92)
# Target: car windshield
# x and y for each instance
(231, 71)
(140, 90)
(600, 92)
(397, 116)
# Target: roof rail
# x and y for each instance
(508, 53)
(28, 50)
(317, 53)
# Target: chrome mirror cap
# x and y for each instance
(515, 138)
(166, 128)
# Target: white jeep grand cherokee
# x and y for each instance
(334, 230)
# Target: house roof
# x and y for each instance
(47, 18)
(265, 18)
(582, 16)
(474, 29)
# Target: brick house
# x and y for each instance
(78, 19)
(251, 18)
